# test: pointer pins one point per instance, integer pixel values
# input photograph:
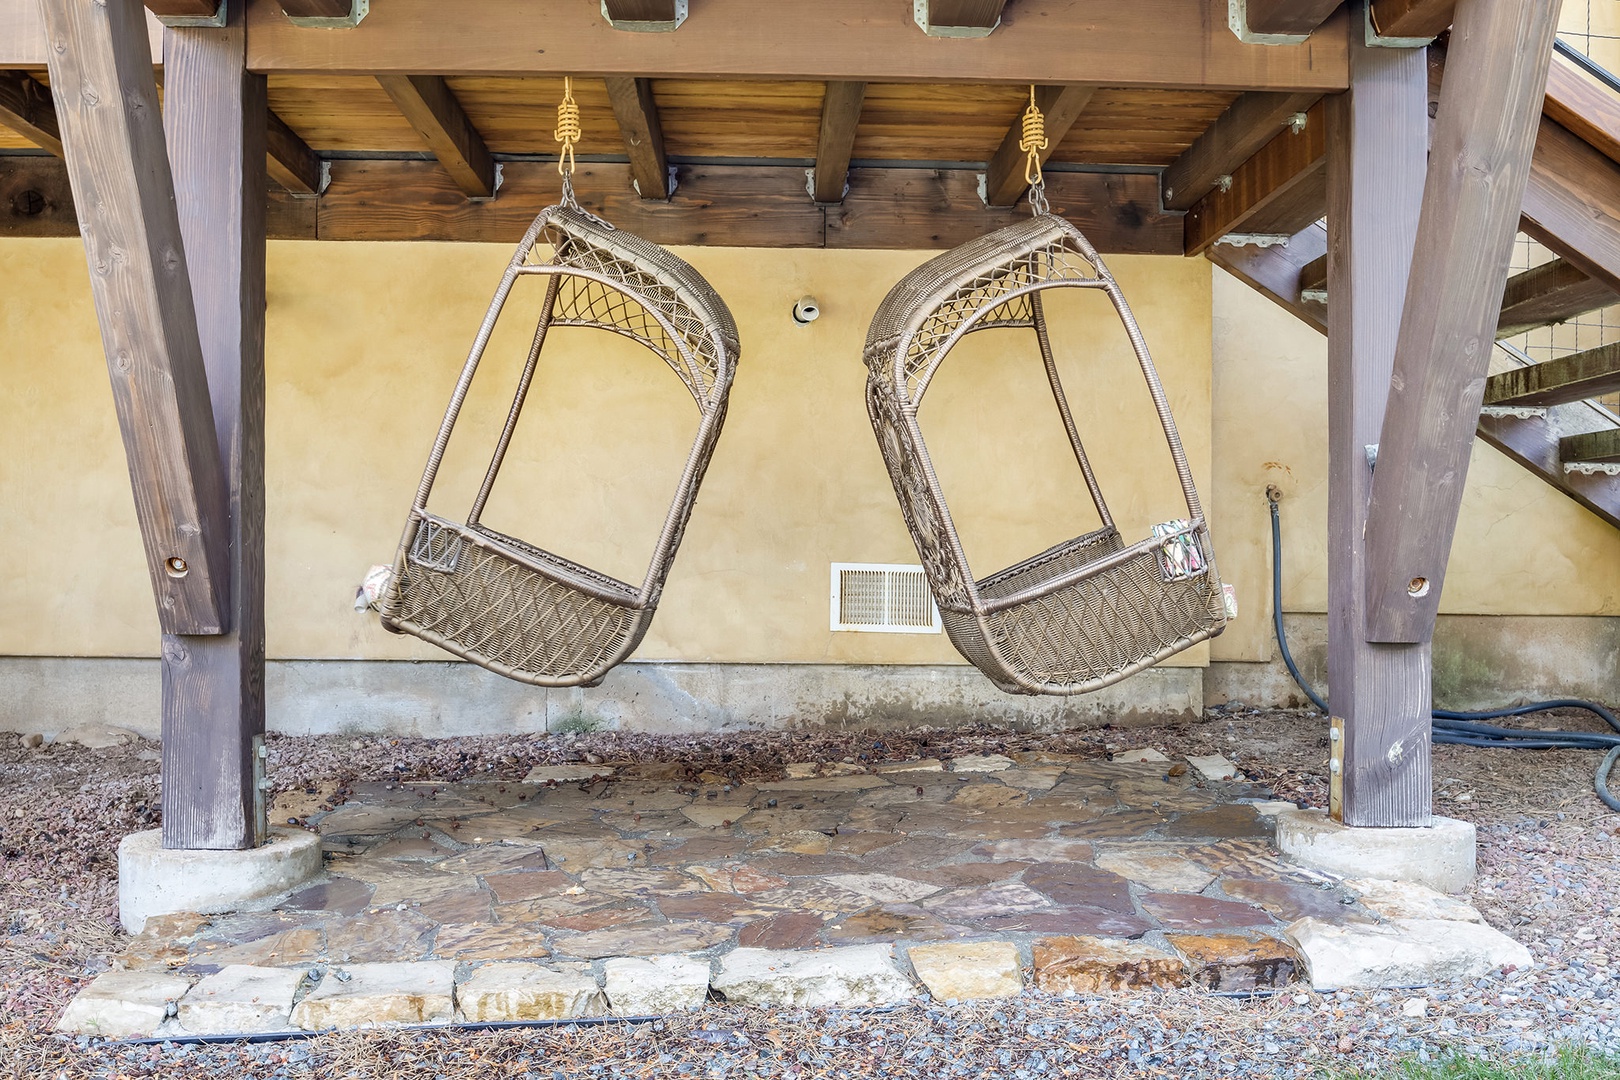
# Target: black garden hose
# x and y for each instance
(1468, 728)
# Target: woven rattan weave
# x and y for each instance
(510, 606)
(1087, 612)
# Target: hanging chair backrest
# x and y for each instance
(996, 281)
(509, 605)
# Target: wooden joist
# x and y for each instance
(1248, 124)
(1576, 377)
(835, 139)
(291, 162)
(1294, 18)
(1281, 189)
(1380, 695)
(972, 15)
(142, 291)
(1553, 292)
(1004, 176)
(1148, 43)
(1313, 275)
(1479, 166)
(213, 687)
(432, 109)
(1592, 447)
(637, 114)
(1412, 18)
(25, 107)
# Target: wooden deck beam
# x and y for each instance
(1576, 377)
(142, 291)
(1295, 18)
(1004, 176)
(432, 109)
(1412, 18)
(1553, 292)
(835, 140)
(183, 9)
(213, 687)
(640, 12)
(1177, 44)
(637, 114)
(1379, 694)
(25, 107)
(1248, 124)
(1278, 272)
(1281, 189)
(1479, 167)
(317, 9)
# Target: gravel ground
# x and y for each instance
(1548, 875)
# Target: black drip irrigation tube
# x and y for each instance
(1469, 728)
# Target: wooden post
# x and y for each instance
(1377, 140)
(1479, 164)
(213, 687)
(107, 110)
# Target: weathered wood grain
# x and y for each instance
(1281, 189)
(1004, 175)
(106, 104)
(1593, 446)
(1576, 377)
(317, 9)
(290, 161)
(432, 109)
(1572, 203)
(1378, 139)
(1550, 293)
(640, 10)
(637, 114)
(975, 14)
(1479, 166)
(213, 687)
(1187, 46)
(1590, 111)
(835, 139)
(1248, 124)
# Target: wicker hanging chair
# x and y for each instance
(1089, 611)
(510, 606)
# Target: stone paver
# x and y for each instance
(522, 991)
(123, 1004)
(969, 970)
(655, 985)
(241, 1000)
(850, 977)
(1093, 867)
(1088, 965)
(361, 994)
(1402, 952)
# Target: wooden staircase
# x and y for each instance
(1543, 415)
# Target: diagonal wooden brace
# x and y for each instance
(107, 107)
(1479, 164)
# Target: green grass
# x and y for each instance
(1569, 1064)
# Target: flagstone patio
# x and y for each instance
(838, 885)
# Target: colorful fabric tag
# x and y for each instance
(1180, 558)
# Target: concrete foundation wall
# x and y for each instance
(1480, 661)
(53, 695)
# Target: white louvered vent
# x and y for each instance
(882, 598)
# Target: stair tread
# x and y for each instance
(1576, 377)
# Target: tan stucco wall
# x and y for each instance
(365, 342)
(1521, 547)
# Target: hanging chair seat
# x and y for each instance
(509, 605)
(1087, 612)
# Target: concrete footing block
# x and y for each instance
(154, 880)
(1440, 857)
